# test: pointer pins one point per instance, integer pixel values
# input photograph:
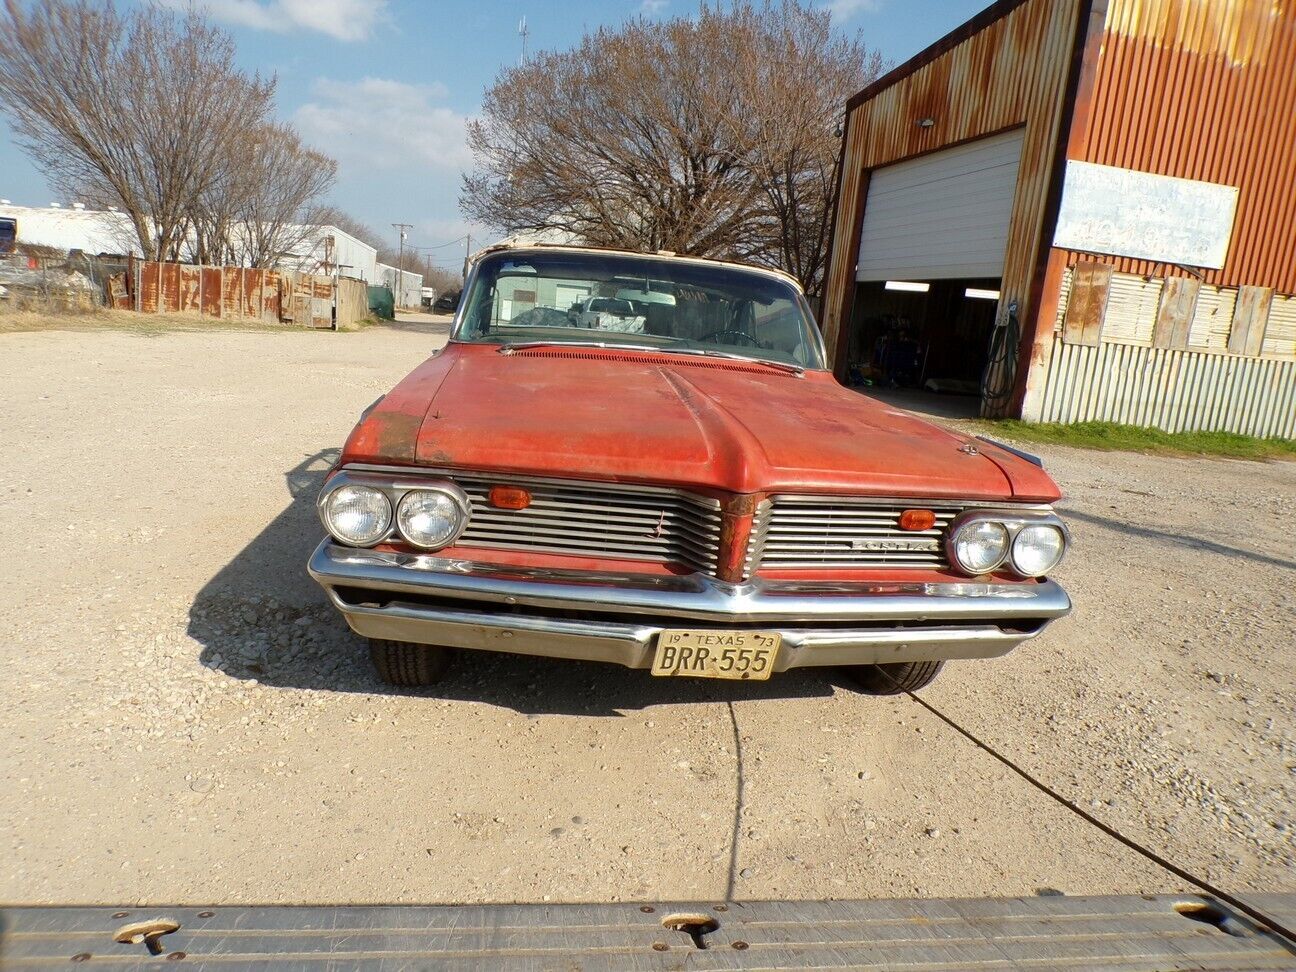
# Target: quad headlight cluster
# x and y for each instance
(1031, 546)
(430, 515)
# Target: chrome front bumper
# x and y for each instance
(616, 617)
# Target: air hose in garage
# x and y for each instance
(1001, 364)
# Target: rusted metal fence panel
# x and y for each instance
(228, 293)
(1174, 389)
(209, 279)
(352, 301)
(321, 293)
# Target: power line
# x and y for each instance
(438, 246)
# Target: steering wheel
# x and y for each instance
(743, 335)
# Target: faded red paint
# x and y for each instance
(735, 432)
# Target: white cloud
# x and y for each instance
(344, 20)
(651, 8)
(845, 9)
(383, 124)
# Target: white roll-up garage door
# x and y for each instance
(941, 216)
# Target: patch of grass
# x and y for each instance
(362, 323)
(1110, 436)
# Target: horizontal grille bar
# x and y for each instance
(817, 531)
(596, 520)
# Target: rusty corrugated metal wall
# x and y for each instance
(232, 293)
(1197, 89)
(1206, 89)
(1011, 72)
(1176, 390)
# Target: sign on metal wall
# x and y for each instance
(1123, 212)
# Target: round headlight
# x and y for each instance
(358, 515)
(431, 518)
(980, 546)
(1037, 548)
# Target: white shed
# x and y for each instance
(94, 231)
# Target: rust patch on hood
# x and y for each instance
(384, 437)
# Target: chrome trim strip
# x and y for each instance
(1029, 457)
(690, 596)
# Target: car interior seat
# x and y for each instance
(659, 319)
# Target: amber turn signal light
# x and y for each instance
(509, 498)
(917, 520)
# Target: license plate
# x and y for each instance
(716, 654)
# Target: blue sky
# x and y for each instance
(385, 86)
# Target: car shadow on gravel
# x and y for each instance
(1194, 543)
(261, 618)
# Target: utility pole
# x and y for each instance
(467, 254)
(400, 260)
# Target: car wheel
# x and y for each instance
(407, 665)
(895, 678)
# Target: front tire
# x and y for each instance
(895, 678)
(408, 665)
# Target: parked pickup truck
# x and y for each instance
(700, 498)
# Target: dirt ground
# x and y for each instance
(187, 721)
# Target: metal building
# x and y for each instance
(406, 287)
(73, 228)
(1080, 210)
(322, 250)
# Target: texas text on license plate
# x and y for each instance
(716, 654)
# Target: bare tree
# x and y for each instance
(659, 135)
(254, 211)
(444, 281)
(127, 107)
(790, 95)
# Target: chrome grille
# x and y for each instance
(823, 531)
(596, 520)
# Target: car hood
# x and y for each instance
(641, 417)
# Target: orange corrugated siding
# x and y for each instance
(1011, 73)
(1206, 89)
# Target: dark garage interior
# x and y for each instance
(928, 335)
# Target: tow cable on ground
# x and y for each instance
(1277, 927)
(738, 804)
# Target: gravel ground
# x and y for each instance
(187, 720)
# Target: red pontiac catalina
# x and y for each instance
(643, 459)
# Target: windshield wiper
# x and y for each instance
(510, 348)
(732, 356)
(790, 369)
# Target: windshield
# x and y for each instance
(632, 301)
